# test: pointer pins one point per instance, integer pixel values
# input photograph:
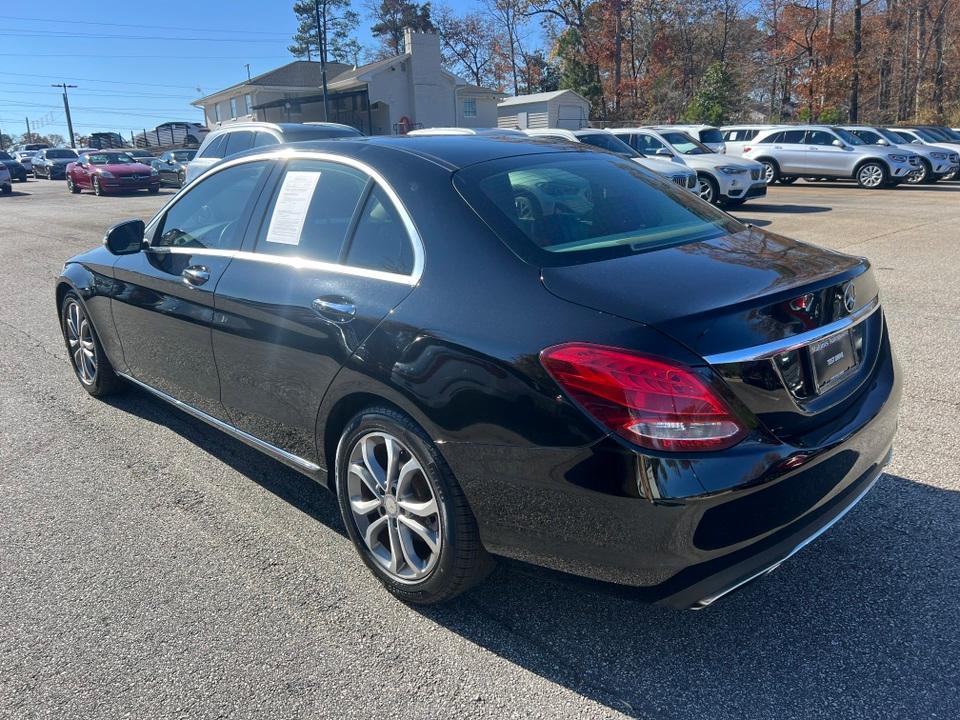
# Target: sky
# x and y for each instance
(136, 65)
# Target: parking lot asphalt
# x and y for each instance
(151, 567)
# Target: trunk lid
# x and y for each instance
(742, 302)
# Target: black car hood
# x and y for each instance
(715, 295)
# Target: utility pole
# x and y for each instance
(322, 47)
(247, 66)
(66, 109)
(28, 129)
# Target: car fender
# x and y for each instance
(94, 285)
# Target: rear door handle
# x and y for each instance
(195, 275)
(337, 309)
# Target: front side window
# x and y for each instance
(208, 215)
(312, 210)
(648, 144)
(470, 107)
(571, 208)
(380, 241)
(868, 136)
(819, 137)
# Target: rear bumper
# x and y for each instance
(609, 513)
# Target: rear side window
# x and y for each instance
(262, 139)
(237, 142)
(312, 210)
(792, 136)
(771, 138)
(214, 149)
(380, 241)
(572, 208)
(208, 216)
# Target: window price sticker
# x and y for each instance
(290, 211)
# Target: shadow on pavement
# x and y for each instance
(787, 209)
(300, 491)
(864, 622)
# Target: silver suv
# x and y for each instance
(238, 137)
(724, 180)
(935, 162)
(678, 174)
(821, 151)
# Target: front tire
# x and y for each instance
(709, 190)
(871, 175)
(72, 186)
(405, 512)
(89, 361)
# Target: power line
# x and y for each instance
(149, 27)
(168, 56)
(110, 82)
(59, 34)
(99, 92)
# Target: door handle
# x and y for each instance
(337, 309)
(195, 275)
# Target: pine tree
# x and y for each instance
(338, 22)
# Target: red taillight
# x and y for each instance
(651, 402)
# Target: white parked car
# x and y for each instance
(824, 151)
(724, 180)
(25, 158)
(707, 134)
(678, 174)
(936, 162)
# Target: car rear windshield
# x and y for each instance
(61, 154)
(711, 135)
(184, 155)
(610, 142)
(572, 208)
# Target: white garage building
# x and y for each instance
(558, 109)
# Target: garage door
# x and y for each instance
(570, 117)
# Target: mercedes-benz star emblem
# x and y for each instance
(849, 296)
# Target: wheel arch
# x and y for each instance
(879, 161)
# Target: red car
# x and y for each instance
(110, 171)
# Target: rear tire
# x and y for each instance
(788, 180)
(408, 518)
(771, 171)
(89, 361)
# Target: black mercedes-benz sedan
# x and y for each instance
(500, 347)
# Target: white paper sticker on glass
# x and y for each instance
(291, 208)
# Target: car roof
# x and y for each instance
(450, 151)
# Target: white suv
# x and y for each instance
(678, 174)
(736, 137)
(822, 151)
(935, 162)
(724, 180)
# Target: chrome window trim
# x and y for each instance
(770, 349)
(302, 263)
(294, 461)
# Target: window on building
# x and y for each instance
(470, 107)
(216, 112)
(233, 107)
(248, 104)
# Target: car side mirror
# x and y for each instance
(125, 238)
(839, 143)
(881, 141)
(663, 152)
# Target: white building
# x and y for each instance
(387, 97)
(558, 109)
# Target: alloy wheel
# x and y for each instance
(769, 173)
(83, 351)
(706, 191)
(394, 507)
(870, 176)
(917, 177)
(97, 190)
